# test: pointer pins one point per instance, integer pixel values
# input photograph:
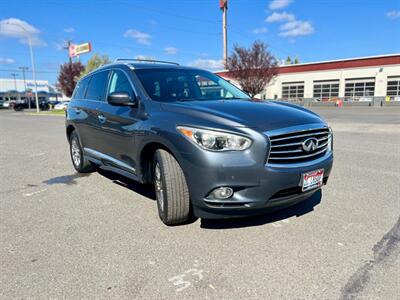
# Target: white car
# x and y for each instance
(6, 104)
(61, 106)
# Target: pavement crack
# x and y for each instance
(386, 247)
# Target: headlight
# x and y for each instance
(215, 140)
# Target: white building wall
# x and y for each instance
(7, 84)
(274, 88)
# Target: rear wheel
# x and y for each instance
(171, 189)
(80, 163)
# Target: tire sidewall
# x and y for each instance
(164, 212)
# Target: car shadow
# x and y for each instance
(297, 210)
(65, 179)
(146, 190)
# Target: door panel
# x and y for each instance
(118, 130)
(84, 113)
(119, 124)
(95, 97)
(86, 121)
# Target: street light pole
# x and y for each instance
(33, 71)
(223, 5)
(32, 61)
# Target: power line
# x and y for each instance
(37, 71)
(164, 12)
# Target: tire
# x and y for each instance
(171, 189)
(80, 163)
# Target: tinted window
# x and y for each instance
(97, 86)
(183, 85)
(120, 83)
(80, 88)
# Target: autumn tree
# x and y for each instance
(252, 67)
(94, 62)
(69, 74)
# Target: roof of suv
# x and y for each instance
(154, 66)
(141, 65)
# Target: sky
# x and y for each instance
(190, 31)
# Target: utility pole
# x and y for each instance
(23, 69)
(223, 5)
(15, 84)
(15, 80)
(67, 48)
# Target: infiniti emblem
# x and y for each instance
(310, 144)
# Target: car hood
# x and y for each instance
(263, 115)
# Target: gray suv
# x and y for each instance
(209, 148)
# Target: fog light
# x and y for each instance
(222, 193)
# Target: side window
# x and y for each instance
(80, 89)
(120, 83)
(97, 85)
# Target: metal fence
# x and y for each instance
(339, 102)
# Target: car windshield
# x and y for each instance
(170, 85)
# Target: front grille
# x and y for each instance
(288, 148)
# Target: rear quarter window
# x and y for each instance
(80, 88)
(97, 86)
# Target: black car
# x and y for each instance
(207, 146)
(24, 104)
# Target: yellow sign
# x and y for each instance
(75, 50)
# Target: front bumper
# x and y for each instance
(259, 188)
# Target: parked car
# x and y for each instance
(215, 155)
(61, 105)
(21, 105)
(6, 104)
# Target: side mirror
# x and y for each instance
(121, 99)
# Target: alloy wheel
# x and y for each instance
(76, 152)
(159, 186)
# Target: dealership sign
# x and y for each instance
(76, 50)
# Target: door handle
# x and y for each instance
(78, 111)
(102, 118)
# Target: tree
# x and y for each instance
(253, 68)
(288, 61)
(69, 74)
(94, 62)
(296, 60)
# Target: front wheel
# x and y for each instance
(171, 189)
(80, 163)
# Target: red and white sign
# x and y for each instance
(76, 50)
(223, 4)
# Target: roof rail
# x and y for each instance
(147, 60)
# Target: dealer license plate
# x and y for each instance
(312, 180)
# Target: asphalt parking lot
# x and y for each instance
(99, 236)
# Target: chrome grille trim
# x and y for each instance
(298, 136)
(302, 156)
(286, 148)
